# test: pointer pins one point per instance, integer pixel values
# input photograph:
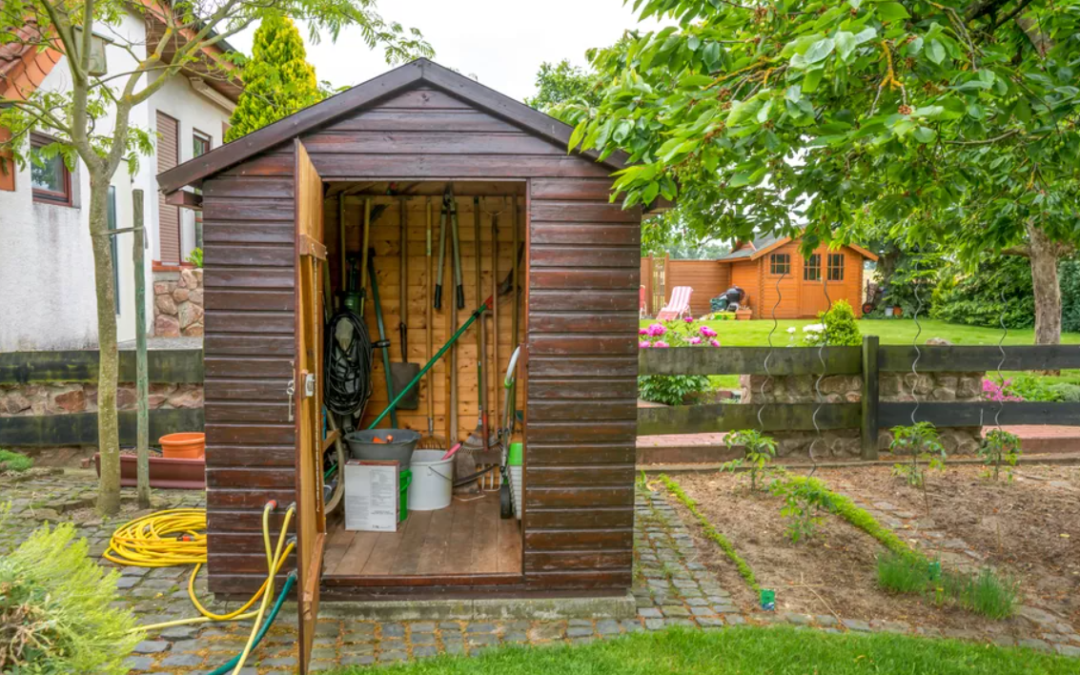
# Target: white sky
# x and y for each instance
(501, 42)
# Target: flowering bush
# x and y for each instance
(673, 389)
(993, 391)
(837, 327)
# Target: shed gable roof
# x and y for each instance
(401, 79)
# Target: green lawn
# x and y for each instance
(890, 331)
(750, 651)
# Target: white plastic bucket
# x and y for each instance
(432, 481)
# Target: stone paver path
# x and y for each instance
(671, 588)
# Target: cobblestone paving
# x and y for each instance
(670, 589)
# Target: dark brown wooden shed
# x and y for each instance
(277, 205)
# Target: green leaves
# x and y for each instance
(819, 51)
(840, 117)
(935, 51)
(891, 11)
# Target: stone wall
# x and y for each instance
(68, 398)
(892, 387)
(178, 303)
(36, 400)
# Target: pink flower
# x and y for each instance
(694, 340)
(714, 343)
(707, 332)
(661, 345)
(656, 330)
(644, 344)
(688, 319)
(643, 331)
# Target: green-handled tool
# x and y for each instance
(477, 313)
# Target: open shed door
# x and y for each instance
(310, 517)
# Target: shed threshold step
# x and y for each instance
(621, 606)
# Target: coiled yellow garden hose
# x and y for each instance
(178, 537)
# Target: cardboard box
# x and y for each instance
(372, 496)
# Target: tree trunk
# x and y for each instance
(1043, 255)
(108, 431)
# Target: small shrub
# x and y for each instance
(671, 389)
(921, 441)
(759, 449)
(674, 389)
(840, 328)
(13, 461)
(805, 503)
(195, 257)
(1028, 387)
(57, 611)
(902, 573)
(1066, 391)
(1000, 447)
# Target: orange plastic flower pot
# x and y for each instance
(183, 446)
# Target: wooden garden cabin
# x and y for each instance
(768, 269)
(772, 269)
(274, 204)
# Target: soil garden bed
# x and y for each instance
(1029, 529)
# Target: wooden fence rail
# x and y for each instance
(869, 361)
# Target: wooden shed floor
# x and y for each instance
(468, 537)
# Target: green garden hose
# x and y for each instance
(289, 583)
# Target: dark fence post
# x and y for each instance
(870, 397)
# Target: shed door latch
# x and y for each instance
(309, 385)
(291, 391)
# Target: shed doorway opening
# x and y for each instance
(467, 543)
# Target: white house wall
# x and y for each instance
(46, 263)
(179, 100)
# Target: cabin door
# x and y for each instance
(812, 297)
(310, 516)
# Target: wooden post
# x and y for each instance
(142, 371)
(870, 397)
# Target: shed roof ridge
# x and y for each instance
(364, 95)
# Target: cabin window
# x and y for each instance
(812, 269)
(779, 264)
(49, 176)
(836, 267)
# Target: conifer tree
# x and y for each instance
(278, 80)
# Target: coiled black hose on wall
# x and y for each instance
(349, 357)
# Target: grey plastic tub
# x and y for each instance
(362, 446)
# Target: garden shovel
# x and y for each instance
(403, 373)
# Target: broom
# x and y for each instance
(431, 441)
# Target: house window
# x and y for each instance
(111, 215)
(779, 264)
(812, 269)
(49, 176)
(200, 143)
(836, 267)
